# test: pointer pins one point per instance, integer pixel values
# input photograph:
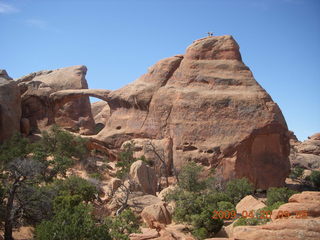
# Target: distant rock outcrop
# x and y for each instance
(208, 102)
(42, 110)
(306, 154)
(10, 106)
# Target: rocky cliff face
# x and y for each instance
(42, 111)
(10, 109)
(208, 102)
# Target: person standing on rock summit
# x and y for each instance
(210, 34)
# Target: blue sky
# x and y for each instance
(119, 39)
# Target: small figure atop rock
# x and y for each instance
(210, 34)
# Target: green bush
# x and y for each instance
(237, 189)
(75, 185)
(189, 178)
(58, 142)
(279, 195)
(314, 178)
(123, 225)
(72, 221)
(15, 147)
(296, 172)
(197, 209)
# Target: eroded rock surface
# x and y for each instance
(43, 111)
(144, 176)
(306, 154)
(208, 102)
(101, 112)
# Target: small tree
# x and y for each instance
(72, 221)
(237, 189)
(189, 178)
(123, 225)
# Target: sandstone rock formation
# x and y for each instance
(305, 201)
(159, 151)
(144, 176)
(10, 106)
(293, 227)
(248, 204)
(137, 204)
(306, 154)
(42, 111)
(101, 112)
(156, 213)
(208, 102)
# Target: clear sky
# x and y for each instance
(119, 39)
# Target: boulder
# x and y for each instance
(306, 197)
(137, 204)
(10, 106)
(144, 176)
(208, 102)
(156, 213)
(164, 192)
(43, 110)
(249, 203)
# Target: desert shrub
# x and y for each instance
(58, 142)
(203, 224)
(15, 147)
(189, 178)
(279, 195)
(296, 172)
(72, 221)
(314, 178)
(197, 209)
(237, 189)
(123, 225)
(75, 185)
